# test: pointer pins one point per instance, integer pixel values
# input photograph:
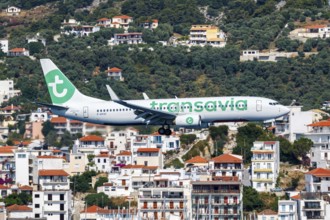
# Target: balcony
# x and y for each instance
(316, 207)
(224, 191)
(153, 208)
(315, 217)
(262, 180)
(265, 170)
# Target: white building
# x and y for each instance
(205, 34)
(118, 141)
(267, 214)
(317, 180)
(128, 38)
(4, 45)
(121, 21)
(13, 11)
(287, 210)
(102, 162)
(19, 212)
(39, 115)
(149, 157)
(270, 56)
(22, 164)
(36, 38)
(7, 90)
(53, 197)
(265, 165)
(294, 125)
(319, 133)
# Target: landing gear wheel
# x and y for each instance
(161, 131)
(168, 132)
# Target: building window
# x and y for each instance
(37, 215)
(36, 205)
(21, 155)
(36, 195)
(50, 197)
(61, 197)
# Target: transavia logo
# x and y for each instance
(189, 120)
(59, 87)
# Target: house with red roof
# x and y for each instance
(115, 73)
(227, 165)
(16, 52)
(312, 31)
(121, 21)
(124, 157)
(150, 24)
(267, 214)
(118, 141)
(265, 165)
(149, 157)
(95, 212)
(319, 133)
(317, 180)
(196, 161)
(104, 22)
(128, 38)
(19, 211)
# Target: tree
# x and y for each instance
(187, 138)
(99, 199)
(19, 199)
(47, 126)
(301, 147)
(35, 47)
(251, 199)
(100, 182)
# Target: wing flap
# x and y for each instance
(52, 106)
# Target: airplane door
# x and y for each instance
(85, 111)
(259, 105)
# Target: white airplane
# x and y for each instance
(200, 112)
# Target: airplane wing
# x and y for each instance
(148, 114)
(52, 106)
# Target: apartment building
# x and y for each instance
(52, 200)
(128, 38)
(7, 163)
(7, 90)
(312, 206)
(149, 157)
(229, 165)
(319, 133)
(207, 35)
(265, 165)
(317, 180)
(287, 210)
(267, 214)
(118, 141)
(217, 199)
(164, 199)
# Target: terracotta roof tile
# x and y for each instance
(6, 150)
(58, 120)
(325, 123)
(75, 122)
(17, 50)
(197, 159)
(296, 197)
(4, 187)
(125, 153)
(130, 166)
(317, 26)
(320, 172)
(114, 70)
(91, 209)
(11, 108)
(103, 19)
(26, 188)
(24, 143)
(53, 173)
(227, 158)
(91, 138)
(122, 16)
(148, 150)
(19, 208)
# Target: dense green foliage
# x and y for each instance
(82, 182)
(219, 136)
(100, 182)
(251, 199)
(19, 199)
(99, 199)
(292, 153)
(196, 150)
(186, 139)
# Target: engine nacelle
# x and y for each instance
(189, 120)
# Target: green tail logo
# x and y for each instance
(60, 88)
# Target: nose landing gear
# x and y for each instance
(165, 130)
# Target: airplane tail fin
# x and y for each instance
(60, 88)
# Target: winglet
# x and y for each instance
(112, 94)
(145, 96)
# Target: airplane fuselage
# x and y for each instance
(209, 109)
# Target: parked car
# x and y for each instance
(276, 189)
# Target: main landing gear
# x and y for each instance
(165, 130)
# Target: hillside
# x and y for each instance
(173, 71)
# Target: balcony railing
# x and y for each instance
(215, 191)
(311, 207)
(315, 217)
